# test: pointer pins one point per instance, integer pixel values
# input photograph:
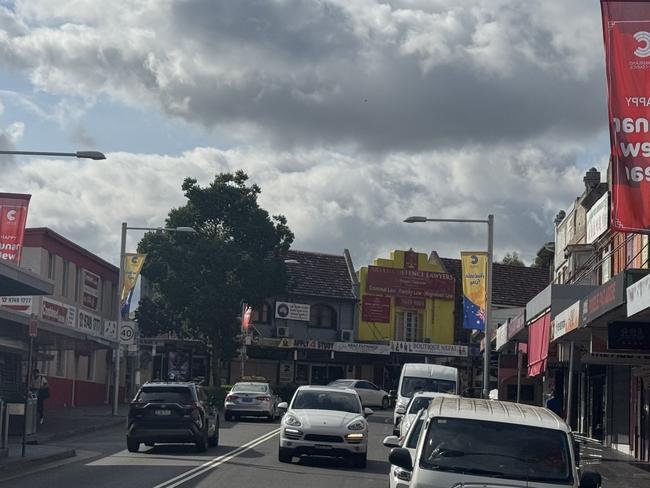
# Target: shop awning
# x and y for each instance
(538, 339)
(16, 281)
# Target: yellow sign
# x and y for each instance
(132, 267)
(474, 289)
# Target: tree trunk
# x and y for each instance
(216, 361)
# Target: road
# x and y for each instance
(246, 457)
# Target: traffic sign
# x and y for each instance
(127, 333)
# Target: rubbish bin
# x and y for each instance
(16, 416)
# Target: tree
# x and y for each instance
(513, 259)
(199, 281)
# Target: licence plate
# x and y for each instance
(323, 446)
(163, 412)
(247, 400)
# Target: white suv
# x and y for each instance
(324, 421)
(467, 442)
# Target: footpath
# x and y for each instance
(58, 425)
(618, 470)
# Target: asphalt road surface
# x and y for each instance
(247, 456)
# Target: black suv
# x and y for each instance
(172, 413)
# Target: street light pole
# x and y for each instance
(96, 155)
(488, 298)
(125, 228)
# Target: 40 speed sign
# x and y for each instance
(127, 333)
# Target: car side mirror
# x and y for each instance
(391, 441)
(401, 458)
(283, 406)
(367, 412)
(400, 410)
(589, 479)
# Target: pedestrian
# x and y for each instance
(39, 386)
(554, 404)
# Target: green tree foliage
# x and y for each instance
(200, 280)
(513, 259)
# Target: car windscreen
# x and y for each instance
(248, 387)
(497, 449)
(414, 434)
(162, 394)
(418, 403)
(411, 384)
(326, 400)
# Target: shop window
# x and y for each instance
(262, 314)
(322, 315)
(51, 265)
(65, 278)
(408, 327)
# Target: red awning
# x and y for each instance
(538, 337)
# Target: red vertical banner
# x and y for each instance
(246, 318)
(13, 217)
(626, 31)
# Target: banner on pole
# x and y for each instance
(474, 269)
(13, 218)
(132, 266)
(626, 32)
(246, 317)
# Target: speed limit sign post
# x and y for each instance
(127, 333)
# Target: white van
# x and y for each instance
(422, 377)
(471, 442)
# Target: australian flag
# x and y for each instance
(474, 316)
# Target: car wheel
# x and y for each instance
(132, 445)
(385, 403)
(202, 443)
(285, 455)
(360, 460)
(214, 440)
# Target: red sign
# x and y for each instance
(408, 302)
(626, 29)
(410, 283)
(246, 318)
(13, 217)
(33, 325)
(375, 309)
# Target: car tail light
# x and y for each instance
(231, 398)
(264, 398)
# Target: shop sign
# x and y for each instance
(292, 311)
(638, 296)
(410, 302)
(629, 336)
(611, 358)
(516, 325)
(22, 304)
(410, 283)
(90, 295)
(359, 348)
(313, 344)
(598, 219)
(605, 298)
(566, 321)
(375, 309)
(428, 348)
(110, 329)
(58, 313)
(286, 372)
(502, 336)
(89, 323)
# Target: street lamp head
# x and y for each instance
(415, 219)
(96, 155)
(191, 230)
(291, 261)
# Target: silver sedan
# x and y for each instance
(251, 399)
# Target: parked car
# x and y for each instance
(398, 477)
(324, 421)
(420, 400)
(172, 413)
(369, 393)
(472, 442)
(251, 399)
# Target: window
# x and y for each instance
(322, 315)
(60, 362)
(411, 384)
(366, 385)
(171, 394)
(418, 403)
(408, 327)
(51, 265)
(262, 314)
(326, 400)
(66, 278)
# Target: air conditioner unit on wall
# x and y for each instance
(347, 335)
(282, 331)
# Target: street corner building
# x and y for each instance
(69, 293)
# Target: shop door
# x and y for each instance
(597, 410)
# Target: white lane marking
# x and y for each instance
(193, 473)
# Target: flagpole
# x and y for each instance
(243, 342)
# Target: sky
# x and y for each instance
(350, 114)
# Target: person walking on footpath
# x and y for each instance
(39, 386)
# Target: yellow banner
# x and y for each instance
(132, 267)
(474, 289)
